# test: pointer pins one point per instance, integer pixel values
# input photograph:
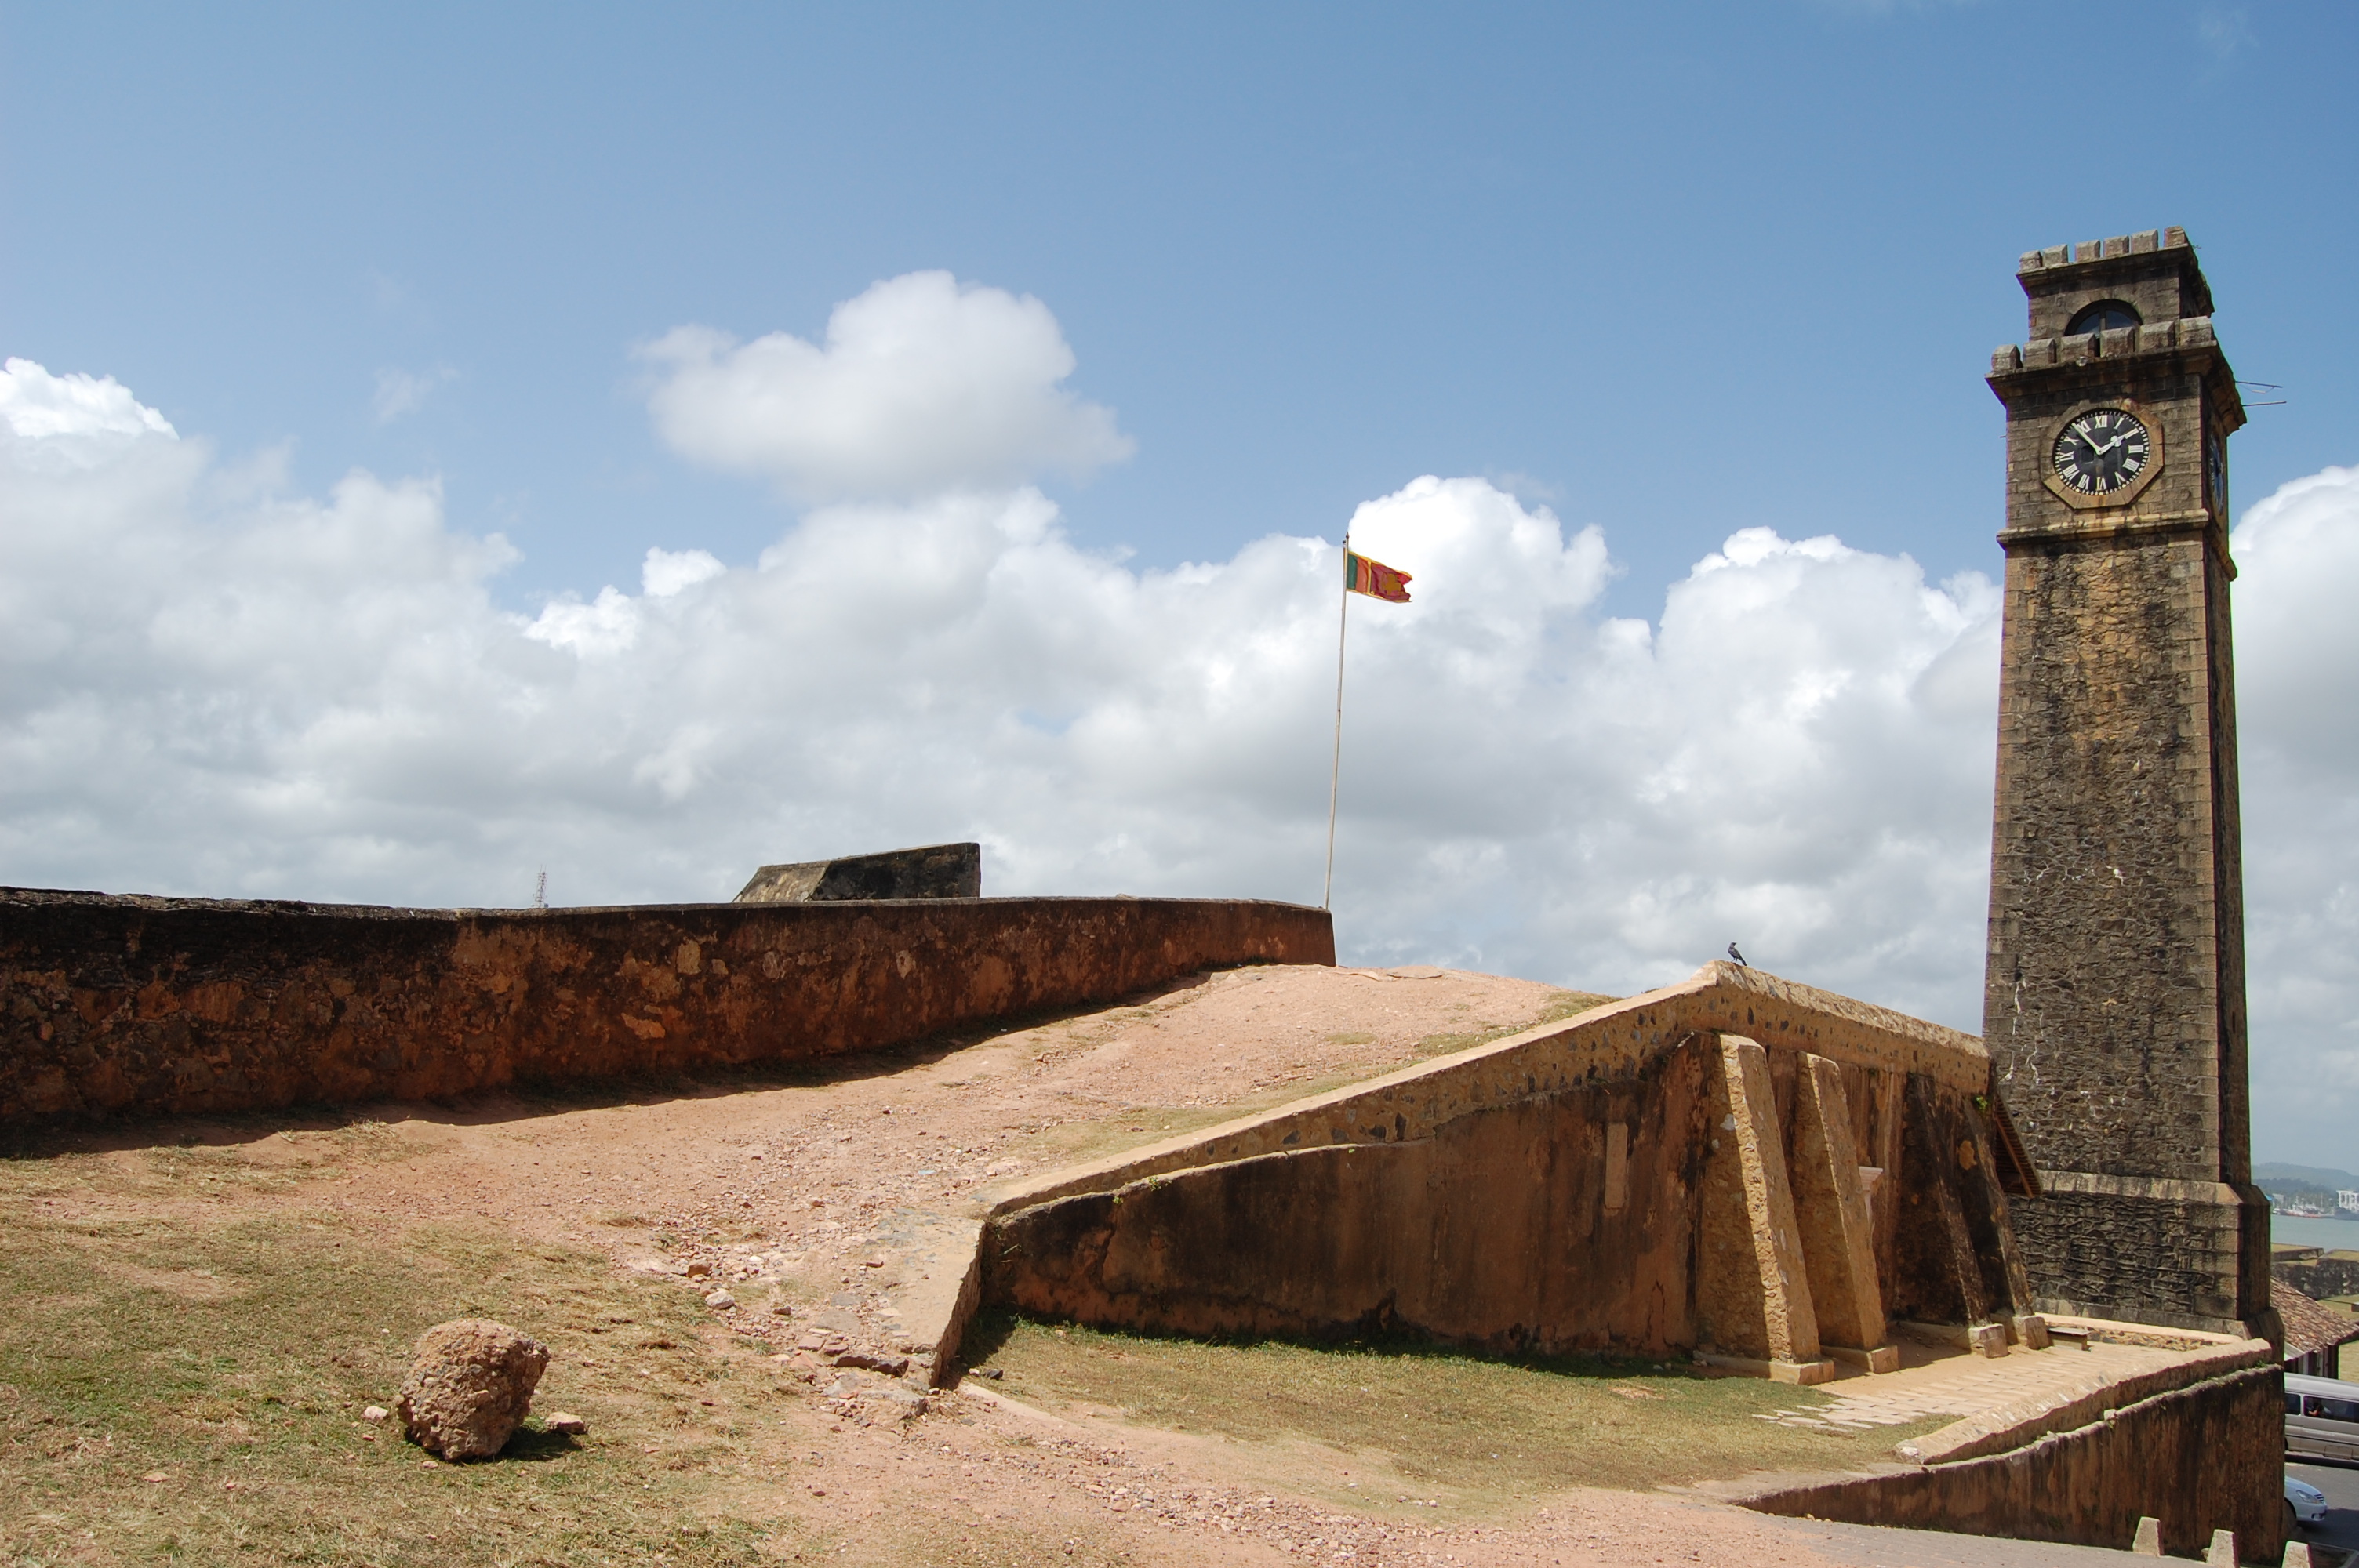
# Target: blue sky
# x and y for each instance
(1671, 269)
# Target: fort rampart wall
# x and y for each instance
(2200, 1458)
(156, 1006)
(1680, 1170)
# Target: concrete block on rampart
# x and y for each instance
(933, 871)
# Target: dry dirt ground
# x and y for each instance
(313, 1251)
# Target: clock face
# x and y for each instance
(2102, 451)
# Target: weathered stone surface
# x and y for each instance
(2077, 1400)
(1753, 1288)
(156, 1006)
(2196, 1459)
(2114, 992)
(1489, 1230)
(937, 871)
(469, 1387)
(1957, 1258)
(1473, 1198)
(1830, 1206)
(2320, 1274)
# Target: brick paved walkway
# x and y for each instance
(1939, 1380)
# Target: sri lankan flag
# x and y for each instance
(1374, 578)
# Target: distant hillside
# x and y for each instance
(2311, 1177)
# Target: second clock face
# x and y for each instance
(2102, 451)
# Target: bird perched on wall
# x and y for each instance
(1737, 955)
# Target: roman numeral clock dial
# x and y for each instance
(2102, 451)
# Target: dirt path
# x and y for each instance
(815, 1195)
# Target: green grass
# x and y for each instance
(199, 1315)
(1421, 1420)
(233, 1360)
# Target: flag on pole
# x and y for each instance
(1374, 578)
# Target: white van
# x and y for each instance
(2321, 1417)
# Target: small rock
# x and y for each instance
(993, 1373)
(156, 1475)
(812, 1339)
(721, 1301)
(905, 1401)
(570, 1424)
(868, 1360)
(698, 1270)
(876, 1262)
(374, 1413)
(845, 1387)
(470, 1386)
(782, 1309)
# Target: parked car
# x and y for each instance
(2307, 1502)
(2321, 1417)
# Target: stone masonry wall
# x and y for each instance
(1498, 1229)
(2104, 1007)
(2333, 1274)
(1621, 1180)
(2172, 1251)
(151, 1006)
(2198, 1459)
(2113, 1002)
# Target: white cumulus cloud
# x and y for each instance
(2298, 698)
(318, 697)
(36, 403)
(667, 572)
(924, 385)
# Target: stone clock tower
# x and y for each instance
(2114, 1002)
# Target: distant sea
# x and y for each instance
(2315, 1232)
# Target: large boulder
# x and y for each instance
(470, 1386)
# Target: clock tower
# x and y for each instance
(2113, 1002)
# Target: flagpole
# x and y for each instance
(1335, 773)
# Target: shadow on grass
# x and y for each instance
(993, 1328)
(1387, 1409)
(536, 1445)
